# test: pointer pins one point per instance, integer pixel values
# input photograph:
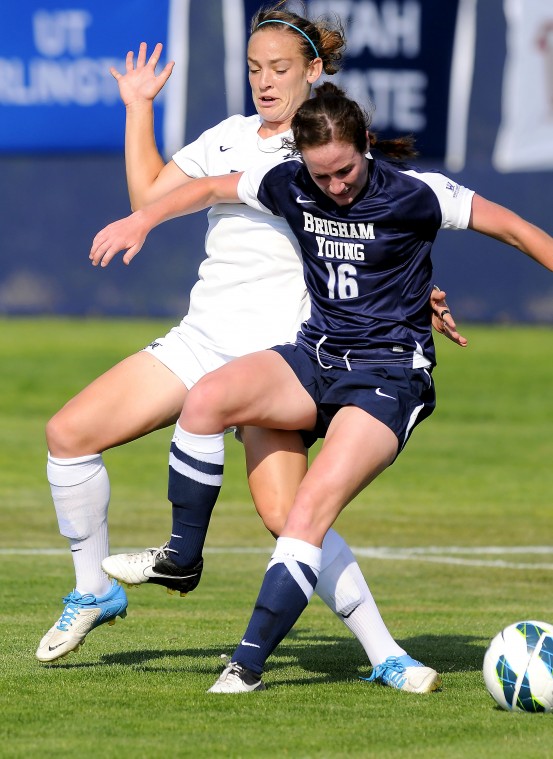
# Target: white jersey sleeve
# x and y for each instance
(196, 157)
(454, 199)
(231, 146)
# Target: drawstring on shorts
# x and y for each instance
(329, 366)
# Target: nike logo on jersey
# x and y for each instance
(244, 642)
(299, 199)
(223, 149)
(379, 392)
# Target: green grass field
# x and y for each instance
(473, 486)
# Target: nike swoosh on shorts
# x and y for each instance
(379, 392)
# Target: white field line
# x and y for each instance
(453, 555)
(472, 556)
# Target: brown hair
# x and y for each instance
(330, 115)
(327, 36)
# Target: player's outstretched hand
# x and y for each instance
(141, 82)
(126, 234)
(442, 320)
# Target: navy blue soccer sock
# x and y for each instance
(287, 587)
(195, 478)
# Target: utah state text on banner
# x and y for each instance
(400, 58)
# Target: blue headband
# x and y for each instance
(278, 21)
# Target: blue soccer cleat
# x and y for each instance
(81, 615)
(406, 674)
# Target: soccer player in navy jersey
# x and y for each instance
(359, 372)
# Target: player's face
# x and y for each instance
(338, 169)
(279, 75)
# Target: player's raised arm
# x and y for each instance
(148, 176)
(129, 234)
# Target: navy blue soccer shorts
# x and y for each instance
(398, 396)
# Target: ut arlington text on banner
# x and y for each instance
(410, 61)
(525, 138)
(56, 92)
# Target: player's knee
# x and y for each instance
(205, 403)
(56, 436)
(63, 436)
(272, 503)
(274, 516)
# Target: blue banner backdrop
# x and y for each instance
(62, 173)
(56, 92)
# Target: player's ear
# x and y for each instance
(314, 70)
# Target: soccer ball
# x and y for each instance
(518, 667)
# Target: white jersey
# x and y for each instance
(251, 293)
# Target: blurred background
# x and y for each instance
(471, 79)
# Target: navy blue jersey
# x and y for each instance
(367, 265)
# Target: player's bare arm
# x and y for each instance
(129, 234)
(499, 222)
(148, 176)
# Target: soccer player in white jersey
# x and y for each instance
(360, 371)
(260, 300)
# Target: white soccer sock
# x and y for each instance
(80, 490)
(343, 588)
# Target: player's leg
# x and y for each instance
(344, 467)
(136, 396)
(195, 468)
(392, 665)
(345, 464)
(133, 398)
(276, 462)
(196, 462)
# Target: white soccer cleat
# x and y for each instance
(153, 565)
(406, 674)
(237, 679)
(81, 614)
